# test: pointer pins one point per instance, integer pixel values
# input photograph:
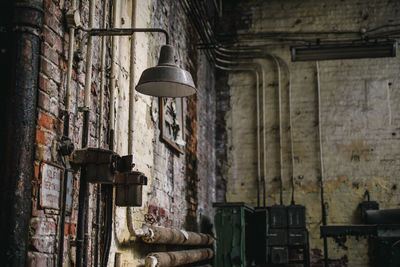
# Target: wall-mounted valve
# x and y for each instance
(129, 188)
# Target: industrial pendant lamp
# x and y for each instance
(166, 79)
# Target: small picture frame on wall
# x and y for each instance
(172, 123)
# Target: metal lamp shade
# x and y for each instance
(166, 79)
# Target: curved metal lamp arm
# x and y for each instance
(124, 31)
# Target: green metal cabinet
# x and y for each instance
(232, 223)
(386, 252)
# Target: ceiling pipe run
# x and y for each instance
(251, 53)
(177, 258)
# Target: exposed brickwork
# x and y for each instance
(172, 195)
(359, 119)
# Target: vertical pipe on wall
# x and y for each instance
(131, 125)
(71, 49)
(100, 131)
(260, 180)
(115, 40)
(108, 189)
(131, 122)
(20, 126)
(244, 54)
(82, 224)
(258, 144)
(323, 207)
(102, 76)
(280, 130)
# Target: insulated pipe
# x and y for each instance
(19, 130)
(253, 70)
(170, 236)
(176, 258)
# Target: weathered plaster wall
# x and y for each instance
(180, 187)
(359, 119)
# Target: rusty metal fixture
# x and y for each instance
(66, 147)
(161, 235)
(166, 79)
(73, 19)
(99, 164)
(129, 188)
(176, 258)
(19, 130)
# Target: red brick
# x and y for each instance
(43, 100)
(53, 9)
(53, 39)
(36, 171)
(35, 210)
(43, 227)
(70, 229)
(47, 85)
(49, 53)
(43, 244)
(53, 23)
(50, 70)
(46, 121)
(40, 137)
(36, 259)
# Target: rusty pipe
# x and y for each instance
(19, 130)
(176, 258)
(170, 236)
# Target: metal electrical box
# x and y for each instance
(233, 222)
(278, 216)
(129, 188)
(260, 236)
(100, 164)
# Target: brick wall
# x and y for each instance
(181, 187)
(359, 100)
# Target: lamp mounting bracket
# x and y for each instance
(124, 32)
